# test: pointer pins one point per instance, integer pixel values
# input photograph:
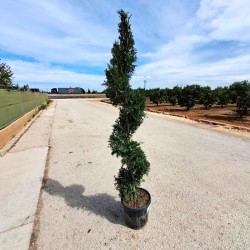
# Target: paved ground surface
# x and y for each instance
(199, 182)
(21, 173)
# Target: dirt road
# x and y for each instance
(199, 182)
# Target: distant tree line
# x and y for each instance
(190, 95)
(6, 78)
(93, 91)
(6, 75)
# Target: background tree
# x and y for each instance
(25, 87)
(147, 93)
(207, 97)
(221, 95)
(16, 86)
(189, 96)
(6, 75)
(238, 89)
(177, 92)
(156, 96)
(243, 103)
(240, 94)
(143, 91)
(172, 96)
(131, 106)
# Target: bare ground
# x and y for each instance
(225, 116)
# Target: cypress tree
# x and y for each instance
(131, 105)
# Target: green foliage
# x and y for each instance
(172, 95)
(240, 93)
(156, 96)
(131, 105)
(172, 99)
(221, 96)
(147, 92)
(122, 64)
(177, 90)
(243, 103)
(238, 89)
(189, 96)
(6, 75)
(43, 106)
(207, 97)
(25, 87)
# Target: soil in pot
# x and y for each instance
(141, 200)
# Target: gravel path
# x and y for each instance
(199, 182)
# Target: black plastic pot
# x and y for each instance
(136, 218)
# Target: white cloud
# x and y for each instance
(73, 31)
(42, 73)
(220, 73)
(226, 19)
(210, 9)
(157, 22)
(180, 46)
(52, 31)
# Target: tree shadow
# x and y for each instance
(102, 204)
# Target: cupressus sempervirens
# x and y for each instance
(131, 105)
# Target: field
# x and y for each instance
(217, 115)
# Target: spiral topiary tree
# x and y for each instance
(131, 106)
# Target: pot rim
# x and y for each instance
(139, 208)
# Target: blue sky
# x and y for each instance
(63, 43)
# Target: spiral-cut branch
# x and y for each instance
(132, 105)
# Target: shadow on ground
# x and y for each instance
(102, 204)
